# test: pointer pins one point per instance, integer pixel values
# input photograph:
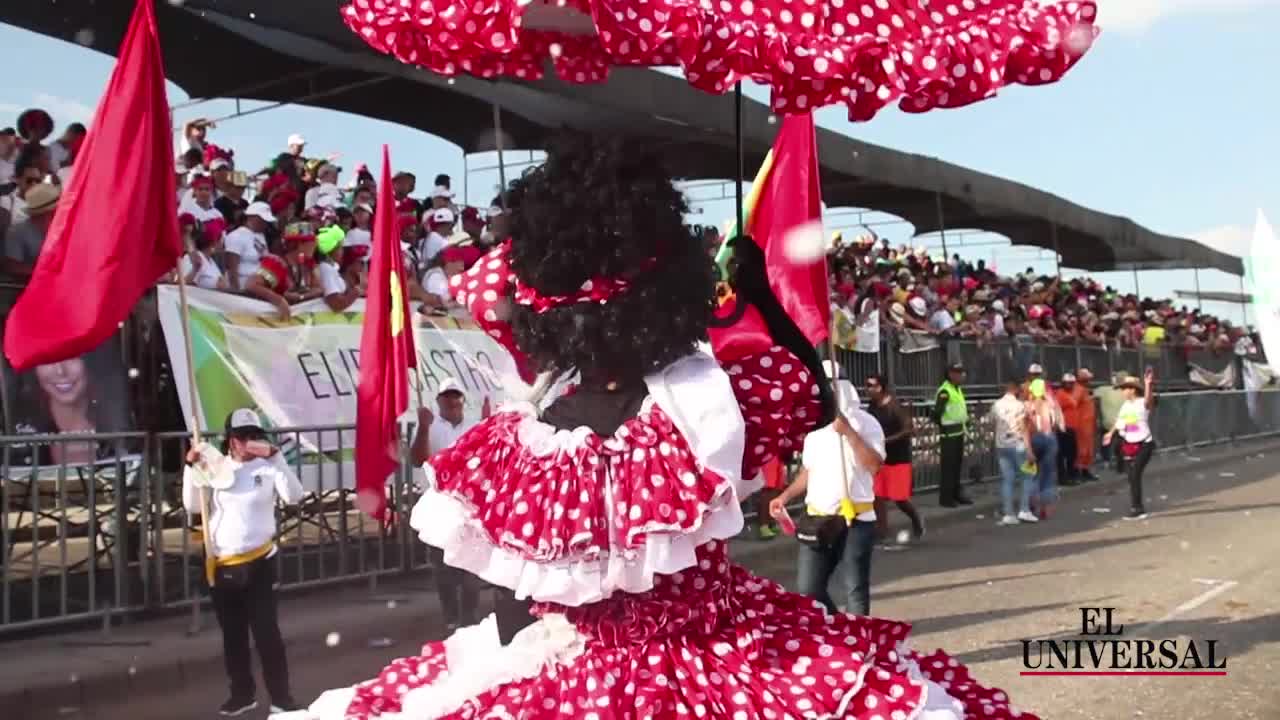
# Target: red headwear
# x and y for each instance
(597, 290)
(201, 181)
(282, 199)
(275, 273)
(276, 182)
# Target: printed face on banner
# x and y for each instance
(83, 394)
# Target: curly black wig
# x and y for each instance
(606, 207)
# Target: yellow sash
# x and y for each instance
(849, 510)
(212, 564)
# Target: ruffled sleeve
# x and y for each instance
(778, 395)
(780, 404)
(485, 291)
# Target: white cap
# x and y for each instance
(918, 305)
(296, 139)
(260, 210)
(494, 212)
(442, 215)
(833, 372)
(441, 191)
(245, 418)
(998, 306)
(1035, 369)
(1069, 378)
(449, 385)
(219, 164)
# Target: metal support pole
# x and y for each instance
(466, 179)
(1137, 289)
(740, 222)
(942, 226)
(1244, 304)
(502, 170)
(1199, 299)
(1057, 254)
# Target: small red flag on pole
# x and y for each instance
(790, 199)
(115, 231)
(386, 355)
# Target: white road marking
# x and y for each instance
(1190, 605)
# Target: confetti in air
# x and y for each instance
(85, 37)
(805, 244)
(903, 537)
(332, 639)
(391, 604)
(133, 373)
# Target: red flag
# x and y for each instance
(386, 354)
(791, 198)
(115, 232)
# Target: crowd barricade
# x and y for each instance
(915, 367)
(93, 541)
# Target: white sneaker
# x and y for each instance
(1008, 520)
(1026, 516)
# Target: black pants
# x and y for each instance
(459, 590)
(1138, 465)
(952, 463)
(1066, 454)
(252, 608)
(512, 614)
(816, 565)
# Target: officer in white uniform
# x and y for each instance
(240, 484)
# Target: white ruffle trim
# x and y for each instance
(447, 523)
(477, 663)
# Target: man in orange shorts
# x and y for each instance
(893, 482)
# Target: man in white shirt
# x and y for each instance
(458, 590)
(440, 223)
(326, 194)
(838, 480)
(8, 154)
(246, 246)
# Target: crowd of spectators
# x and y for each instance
(907, 292)
(295, 231)
(287, 233)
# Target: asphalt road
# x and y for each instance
(1202, 567)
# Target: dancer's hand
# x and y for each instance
(777, 506)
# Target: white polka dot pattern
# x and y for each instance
(865, 54)
(713, 642)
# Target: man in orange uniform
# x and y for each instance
(1065, 396)
(1087, 426)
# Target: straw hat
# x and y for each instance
(42, 198)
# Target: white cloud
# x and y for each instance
(1135, 16)
(63, 110)
(1232, 239)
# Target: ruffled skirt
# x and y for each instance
(774, 655)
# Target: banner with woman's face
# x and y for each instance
(86, 394)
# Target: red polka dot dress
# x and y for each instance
(621, 542)
(863, 54)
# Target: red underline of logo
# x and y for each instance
(1121, 673)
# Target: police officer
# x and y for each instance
(952, 415)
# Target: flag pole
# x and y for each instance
(210, 562)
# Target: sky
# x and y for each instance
(1170, 120)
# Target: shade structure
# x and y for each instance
(302, 52)
(864, 54)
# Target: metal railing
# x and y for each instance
(917, 372)
(93, 527)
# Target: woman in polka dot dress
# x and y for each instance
(609, 507)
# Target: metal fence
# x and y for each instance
(915, 369)
(107, 538)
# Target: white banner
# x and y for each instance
(304, 372)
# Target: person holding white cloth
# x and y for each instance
(840, 501)
(242, 482)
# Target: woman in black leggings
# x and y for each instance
(1132, 435)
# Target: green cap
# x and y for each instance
(328, 239)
